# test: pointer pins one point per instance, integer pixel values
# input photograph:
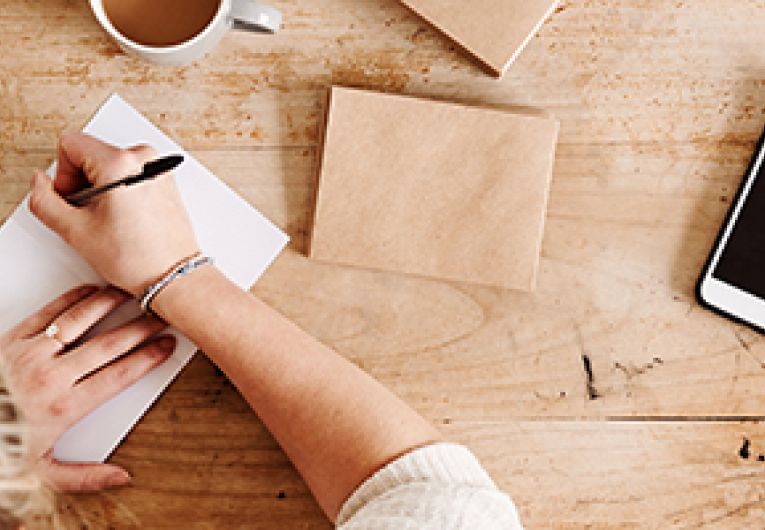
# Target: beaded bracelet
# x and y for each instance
(187, 266)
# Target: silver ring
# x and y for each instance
(52, 333)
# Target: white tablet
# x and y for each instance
(733, 281)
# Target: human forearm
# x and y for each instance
(336, 423)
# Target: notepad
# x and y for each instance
(494, 31)
(433, 188)
(37, 266)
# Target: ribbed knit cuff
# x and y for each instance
(442, 463)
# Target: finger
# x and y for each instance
(79, 318)
(107, 347)
(81, 477)
(50, 207)
(82, 156)
(83, 159)
(38, 321)
(107, 383)
(144, 153)
(69, 177)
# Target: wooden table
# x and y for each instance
(660, 104)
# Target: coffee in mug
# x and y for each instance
(160, 22)
(176, 32)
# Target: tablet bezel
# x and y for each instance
(716, 294)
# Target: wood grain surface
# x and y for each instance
(660, 105)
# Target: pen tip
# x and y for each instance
(163, 165)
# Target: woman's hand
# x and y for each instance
(55, 385)
(131, 235)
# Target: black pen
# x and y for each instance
(150, 170)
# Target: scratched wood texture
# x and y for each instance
(660, 105)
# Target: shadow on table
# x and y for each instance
(723, 156)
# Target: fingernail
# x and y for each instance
(117, 479)
(166, 344)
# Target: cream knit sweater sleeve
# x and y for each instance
(440, 486)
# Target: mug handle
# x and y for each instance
(250, 14)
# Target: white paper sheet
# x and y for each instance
(36, 266)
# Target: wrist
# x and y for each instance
(184, 268)
(200, 284)
(154, 272)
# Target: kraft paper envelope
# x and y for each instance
(494, 31)
(433, 189)
(37, 266)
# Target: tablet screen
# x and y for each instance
(742, 262)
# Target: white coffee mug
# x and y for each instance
(244, 14)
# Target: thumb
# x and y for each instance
(50, 207)
(82, 477)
